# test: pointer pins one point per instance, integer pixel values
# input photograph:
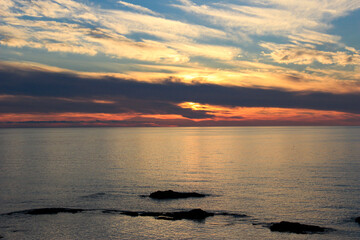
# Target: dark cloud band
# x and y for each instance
(44, 91)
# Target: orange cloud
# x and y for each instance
(292, 115)
(222, 116)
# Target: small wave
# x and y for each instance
(95, 195)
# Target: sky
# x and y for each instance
(66, 63)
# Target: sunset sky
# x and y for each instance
(179, 62)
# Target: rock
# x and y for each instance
(44, 211)
(169, 194)
(111, 211)
(195, 214)
(294, 227)
(129, 213)
(151, 214)
(235, 215)
(357, 220)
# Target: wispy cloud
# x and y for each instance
(301, 20)
(289, 53)
(69, 26)
(138, 8)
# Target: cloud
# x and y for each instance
(289, 53)
(138, 34)
(123, 22)
(313, 37)
(50, 9)
(301, 20)
(72, 27)
(351, 78)
(153, 121)
(138, 8)
(206, 50)
(253, 74)
(47, 86)
(45, 104)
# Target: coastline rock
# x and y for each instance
(357, 220)
(46, 211)
(169, 194)
(294, 227)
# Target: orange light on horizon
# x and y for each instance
(261, 113)
(217, 116)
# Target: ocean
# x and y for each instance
(252, 177)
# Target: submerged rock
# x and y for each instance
(44, 211)
(169, 194)
(357, 220)
(294, 227)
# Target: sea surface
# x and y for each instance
(259, 174)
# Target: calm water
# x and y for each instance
(304, 174)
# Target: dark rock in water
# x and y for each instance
(294, 227)
(357, 220)
(111, 211)
(195, 214)
(235, 215)
(44, 211)
(151, 214)
(129, 213)
(169, 194)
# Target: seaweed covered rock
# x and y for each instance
(294, 227)
(169, 194)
